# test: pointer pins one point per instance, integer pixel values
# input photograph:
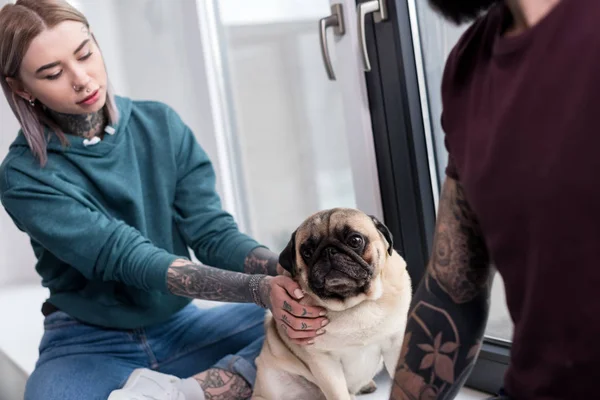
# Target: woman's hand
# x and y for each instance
(281, 271)
(301, 323)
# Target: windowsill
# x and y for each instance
(470, 394)
(384, 387)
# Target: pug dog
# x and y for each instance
(344, 261)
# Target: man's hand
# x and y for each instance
(301, 323)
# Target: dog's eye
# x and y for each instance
(307, 253)
(355, 241)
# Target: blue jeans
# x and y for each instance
(79, 361)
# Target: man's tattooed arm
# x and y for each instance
(261, 261)
(184, 278)
(449, 311)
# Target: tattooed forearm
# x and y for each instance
(185, 278)
(440, 346)
(261, 261)
(449, 310)
(460, 262)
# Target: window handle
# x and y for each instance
(379, 10)
(335, 20)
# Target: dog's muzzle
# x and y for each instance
(338, 271)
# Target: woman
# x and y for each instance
(112, 192)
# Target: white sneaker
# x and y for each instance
(144, 384)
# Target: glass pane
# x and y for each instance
(286, 116)
(437, 39)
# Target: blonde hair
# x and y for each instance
(20, 23)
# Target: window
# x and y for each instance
(409, 52)
(437, 39)
(283, 116)
(284, 127)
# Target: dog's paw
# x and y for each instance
(368, 388)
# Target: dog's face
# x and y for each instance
(337, 256)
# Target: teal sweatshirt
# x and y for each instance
(107, 220)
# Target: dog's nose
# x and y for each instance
(331, 251)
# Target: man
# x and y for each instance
(521, 94)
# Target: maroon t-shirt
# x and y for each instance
(522, 122)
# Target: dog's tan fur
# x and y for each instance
(364, 334)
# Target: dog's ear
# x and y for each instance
(385, 232)
(287, 258)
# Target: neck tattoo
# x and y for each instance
(85, 125)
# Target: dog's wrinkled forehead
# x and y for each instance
(330, 222)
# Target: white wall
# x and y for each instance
(16, 257)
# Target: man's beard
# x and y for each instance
(460, 11)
